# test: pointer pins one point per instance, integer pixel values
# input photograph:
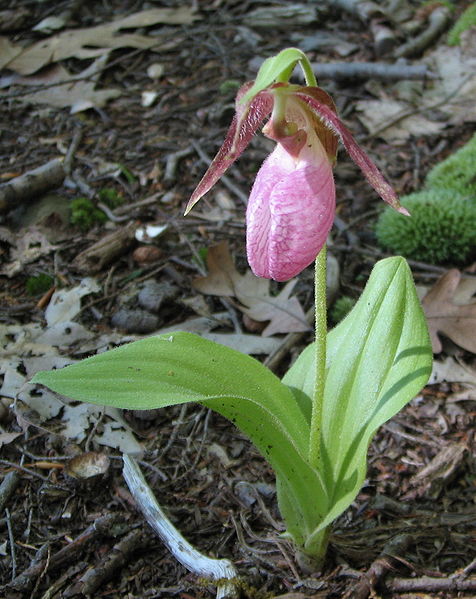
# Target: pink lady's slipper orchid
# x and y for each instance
(292, 203)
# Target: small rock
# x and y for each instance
(146, 254)
(135, 321)
(154, 294)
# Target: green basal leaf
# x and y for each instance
(180, 367)
(272, 69)
(301, 376)
(378, 358)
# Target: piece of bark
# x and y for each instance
(437, 474)
(31, 185)
(114, 560)
(100, 254)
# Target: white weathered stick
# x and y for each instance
(220, 570)
(31, 185)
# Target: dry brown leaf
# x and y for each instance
(284, 313)
(457, 321)
(6, 438)
(30, 244)
(95, 41)
(78, 95)
(8, 51)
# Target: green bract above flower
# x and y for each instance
(292, 202)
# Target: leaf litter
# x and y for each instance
(396, 455)
(284, 313)
(451, 313)
(93, 41)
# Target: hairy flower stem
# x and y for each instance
(320, 356)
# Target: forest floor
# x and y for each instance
(137, 152)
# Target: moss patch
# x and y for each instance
(441, 229)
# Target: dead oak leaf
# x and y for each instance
(29, 245)
(457, 321)
(284, 313)
(94, 41)
(78, 95)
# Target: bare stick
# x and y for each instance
(94, 577)
(439, 19)
(31, 185)
(379, 568)
(429, 584)
(7, 488)
(68, 160)
(12, 543)
(220, 570)
(361, 70)
(171, 164)
(26, 579)
(370, 70)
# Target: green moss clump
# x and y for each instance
(84, 214)
(441, 228)
(110, 197)
(341, 308)
(465, 21)
(457, 173)
(39, 284)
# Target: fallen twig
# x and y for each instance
(27, 578)
(384, 38)
(370, 70)
(7, 488)
(172, 163)
(457, 583)
(361, 70)
(68, 160)
(95, 257)
(220, 570)
(11, 540)
(93, 578)
(30, 185)
(438, 21)
(379, 568)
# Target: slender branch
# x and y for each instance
(30, 185)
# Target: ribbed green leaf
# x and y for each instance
(181, 367)
(378, 358)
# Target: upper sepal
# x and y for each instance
(272, 68)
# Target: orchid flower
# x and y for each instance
(292, 202)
